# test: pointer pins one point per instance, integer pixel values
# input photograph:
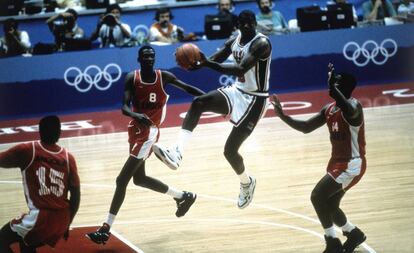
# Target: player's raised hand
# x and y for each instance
(276, 104)
(331, 75)
(200, 63)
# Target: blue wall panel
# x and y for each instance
(36, 85)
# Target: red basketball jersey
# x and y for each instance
(150, 98)
(47, 177)
(347, 141)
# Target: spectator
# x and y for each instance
(226, 8)
(65, 28)
(110, 30)
(405, 7)
(268, 21)
(14, 42)
(378, 9)
(345, 2)
(165, 31)
(63, 4)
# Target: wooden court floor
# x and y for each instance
(286, 163)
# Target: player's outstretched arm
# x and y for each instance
(170, 78)
(305, 126)
(8, 159)
(18, 156)
(223, 53)
(260, 49)
(126, 102)
(351, 109)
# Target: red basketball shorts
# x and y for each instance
(41, 226)
(141, 138)
(347, 173)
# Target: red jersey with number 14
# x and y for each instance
(150, 98)
(347, 141)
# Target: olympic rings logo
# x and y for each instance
(361, 55)
(93, 77)
(226, 80)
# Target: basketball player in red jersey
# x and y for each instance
(144, 90)
(345, 121)
(245, 101)
(49, 173)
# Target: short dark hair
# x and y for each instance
(161, 11)
(247, 15)
(142, 50)
(73, 12)
(258, 2)
(10, 23)
(112, 7)
(231, 2)
(346, 83)
(49, 129)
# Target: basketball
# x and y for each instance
(187, 55)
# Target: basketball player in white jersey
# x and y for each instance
(345, 121)
(245, 101)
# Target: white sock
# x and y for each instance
(330, 232)
(110, 219)
(244, 178)
(348, 227)
(174, 193)
(183, 138)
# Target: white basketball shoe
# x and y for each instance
(246, 193)
(170, 156)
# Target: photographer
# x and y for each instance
(65, 28)
(14, 42)
(226, 8)
(165, 31)
(110, 30)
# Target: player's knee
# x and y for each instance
(198, 103)
(315, 197)
(228, 153)
(233, 156)
(121, 182)
(139, 181)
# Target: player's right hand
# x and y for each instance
(199, 64)
(331, 75)
(276, 104)
(143, 119)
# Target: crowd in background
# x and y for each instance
(111, 31)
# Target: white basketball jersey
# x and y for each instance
(256, 80)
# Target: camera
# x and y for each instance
(109, 20)
(69, 19)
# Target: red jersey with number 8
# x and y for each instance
(150, 98)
